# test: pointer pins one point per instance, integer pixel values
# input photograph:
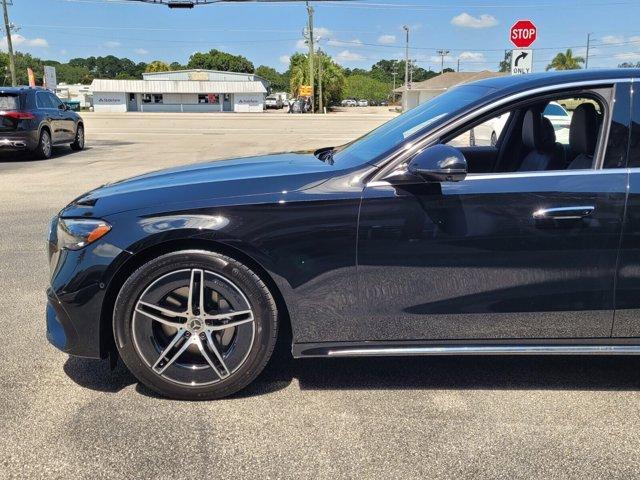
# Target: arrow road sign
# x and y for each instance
(521, 62)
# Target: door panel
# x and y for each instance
(471, 261)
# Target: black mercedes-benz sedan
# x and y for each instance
(416, 239)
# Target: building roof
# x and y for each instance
(447, 80)
(176, 86)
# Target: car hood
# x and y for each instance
(216, 179)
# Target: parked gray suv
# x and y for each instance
(34, 119)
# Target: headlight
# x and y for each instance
(74, 234)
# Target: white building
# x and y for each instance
(182, 91)
(75, 93)
(420, 92)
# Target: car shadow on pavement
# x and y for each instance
(25, 157)
(596, 373)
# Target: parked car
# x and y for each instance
(363, 103)
(396, 244)
(35, 120)
(384, 103)
(273, 101)
(349, 103)
(487, 133)
(560, 119)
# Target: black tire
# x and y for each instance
(129, 321)
(45, 146)
(78, 142)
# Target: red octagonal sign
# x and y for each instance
(523, 33)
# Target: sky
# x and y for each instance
(355, 33)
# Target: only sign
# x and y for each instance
(523, 33)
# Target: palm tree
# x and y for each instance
(565, 61)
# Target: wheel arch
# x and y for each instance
(107, 342)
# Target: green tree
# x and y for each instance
(629, 65)
(157, 66)
(176, 66)
(217, 60)
(565, 61)
(333, 79)
(278, 81)
(364, 86)
(505, 65)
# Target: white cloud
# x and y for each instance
(609, 39)
(285, 59)
(437, 59)
(635, 40)
(19, 40)
(141, 51)
(628, 56)
(387, 39)
(357, 43)
(112, 44)
(469, 21)
(302, 45)
(322, 32)
(348, 56)
(472, 57)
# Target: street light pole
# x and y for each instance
(7, 26)
(311, 54)
(586, 60)
(443, 53)
(405, 99)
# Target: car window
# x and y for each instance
(485, 134)
(389, 136)
(55, 101)
(43, 101)
(554, 109)
(540, 138)
(9, 102)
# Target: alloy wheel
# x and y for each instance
(193, 327)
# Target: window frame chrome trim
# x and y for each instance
(403, 153)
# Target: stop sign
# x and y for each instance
(523, 33)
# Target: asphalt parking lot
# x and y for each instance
(493, 417)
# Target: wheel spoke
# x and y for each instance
(192, 291)
(157, 318)
(211, 344)
(165, 360)
(222, 316)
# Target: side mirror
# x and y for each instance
(439, 163)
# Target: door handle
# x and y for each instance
(564, 213)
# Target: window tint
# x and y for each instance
(43, 101)
(9, 102)
(55, 101)
(485, 134)
(392, 134)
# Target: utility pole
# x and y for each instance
(406, 60)
(586, 60)
(443, 53)
(311, 54)
(320, 103)
(395, 74)
(7, 26)
(458, 66)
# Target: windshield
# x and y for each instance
(388, 136)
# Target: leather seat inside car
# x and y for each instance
(538, 136)
(583, 136)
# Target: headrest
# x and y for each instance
(583, 133)
(537, 131)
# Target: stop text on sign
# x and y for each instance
(523, 33)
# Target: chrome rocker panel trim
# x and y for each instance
(318, 350)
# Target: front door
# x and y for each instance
(226, 105)
(132, 106)
(513, 255)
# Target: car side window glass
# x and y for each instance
(42, 100)
(485, 134)
(55, 101)
(548, 134)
